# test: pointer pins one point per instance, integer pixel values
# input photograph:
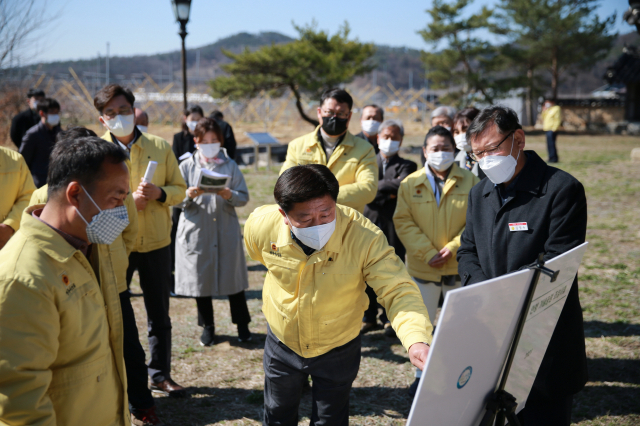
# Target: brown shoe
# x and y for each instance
(168, 388)
(367, 327)
(146, 417)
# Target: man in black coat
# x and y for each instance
(38, 142)
(227, 132)
(392, 169)
(27, 118)
(372, 117)
(521, 187)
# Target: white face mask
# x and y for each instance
(370, 126)
(447, 127)
(34, 105)
(209, 150)
(315, 237)
(461, 142)
(499, 168)
(106, 225)
(388, 147)
(440, 160)
(143, 129)
(191, 125)
(121, 125)
(53, 119)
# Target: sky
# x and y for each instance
(83, 27)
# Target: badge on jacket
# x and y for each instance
(518, 226)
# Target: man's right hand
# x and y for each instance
(140, 200)
(6, 232)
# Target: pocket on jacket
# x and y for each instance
(76, 375)
(283, 273)
(189, 235)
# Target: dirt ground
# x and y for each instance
(226, 380)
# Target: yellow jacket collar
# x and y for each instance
(455, 173)
(348, 140)
(45, 237)
(333, 245)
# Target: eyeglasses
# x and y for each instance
(476, 156)
(343, 115)
(110, 113)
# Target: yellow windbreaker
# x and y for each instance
(314, 304)
(121, 247)
(16, 185)
(353, 163)
(424, 228)
(154, 222)
(552, 119)
(60, 333)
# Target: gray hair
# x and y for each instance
(449, 111)
(392, 123)
(505, 119)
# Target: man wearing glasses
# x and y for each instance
(352, 160)
(150, 255)
(524, 208)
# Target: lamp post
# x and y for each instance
(181, 9)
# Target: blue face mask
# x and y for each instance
(106, 225)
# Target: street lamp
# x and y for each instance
(181, 9)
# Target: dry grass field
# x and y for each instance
(226, 380)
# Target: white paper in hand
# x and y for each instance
(210, 181)
(151, 169)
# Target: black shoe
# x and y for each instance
(414, 387)
(244, 335)
(208, 337)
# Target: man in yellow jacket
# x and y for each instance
(430, 216)
(320, 256)
(551, 121)
(16, 186)
(60, 321)
(151, 255)
(351, 159)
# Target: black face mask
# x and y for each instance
(334, 126)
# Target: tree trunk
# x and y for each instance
(554, 73)
(529, 97)
(304, 116)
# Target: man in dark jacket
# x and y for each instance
(372, 117)
(38, 142)
(522, 188)
(392, 169)
(27, 118)
(227, 132)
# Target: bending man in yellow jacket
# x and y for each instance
(60, 321)
(16, 186)
(430, 216)
(320, 256)
(151, 255)
(351, 159)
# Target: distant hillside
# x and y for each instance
(399, 66)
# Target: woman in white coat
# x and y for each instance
(210, 258)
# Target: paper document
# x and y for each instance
(151, 169)
(210, 181)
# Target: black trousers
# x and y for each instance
(154, 268)
(285, 371)
(140, 397)
(237, 305)
(542, 410)
(371, 314)
(551, 146)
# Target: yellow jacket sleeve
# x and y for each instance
(413, 238)
(24, 196)
(252, 248)
(130, 233)
(363, 190)
(291, 159)
(175, 185)
(402, 300)
(28, 347)
(454, 244)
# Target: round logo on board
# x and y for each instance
(464, 377)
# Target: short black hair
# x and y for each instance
(110, 91)
(216, 114)
(439, 131)
(74, 132)
(35, 92)
(339, 95)
(303, 183)
(80, 159)
(505, 119)
(378, 110)
(46, 104)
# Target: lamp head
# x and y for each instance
(181, 10)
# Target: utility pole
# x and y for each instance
(107, 72)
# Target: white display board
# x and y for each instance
(472, 340)
(542, 318)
